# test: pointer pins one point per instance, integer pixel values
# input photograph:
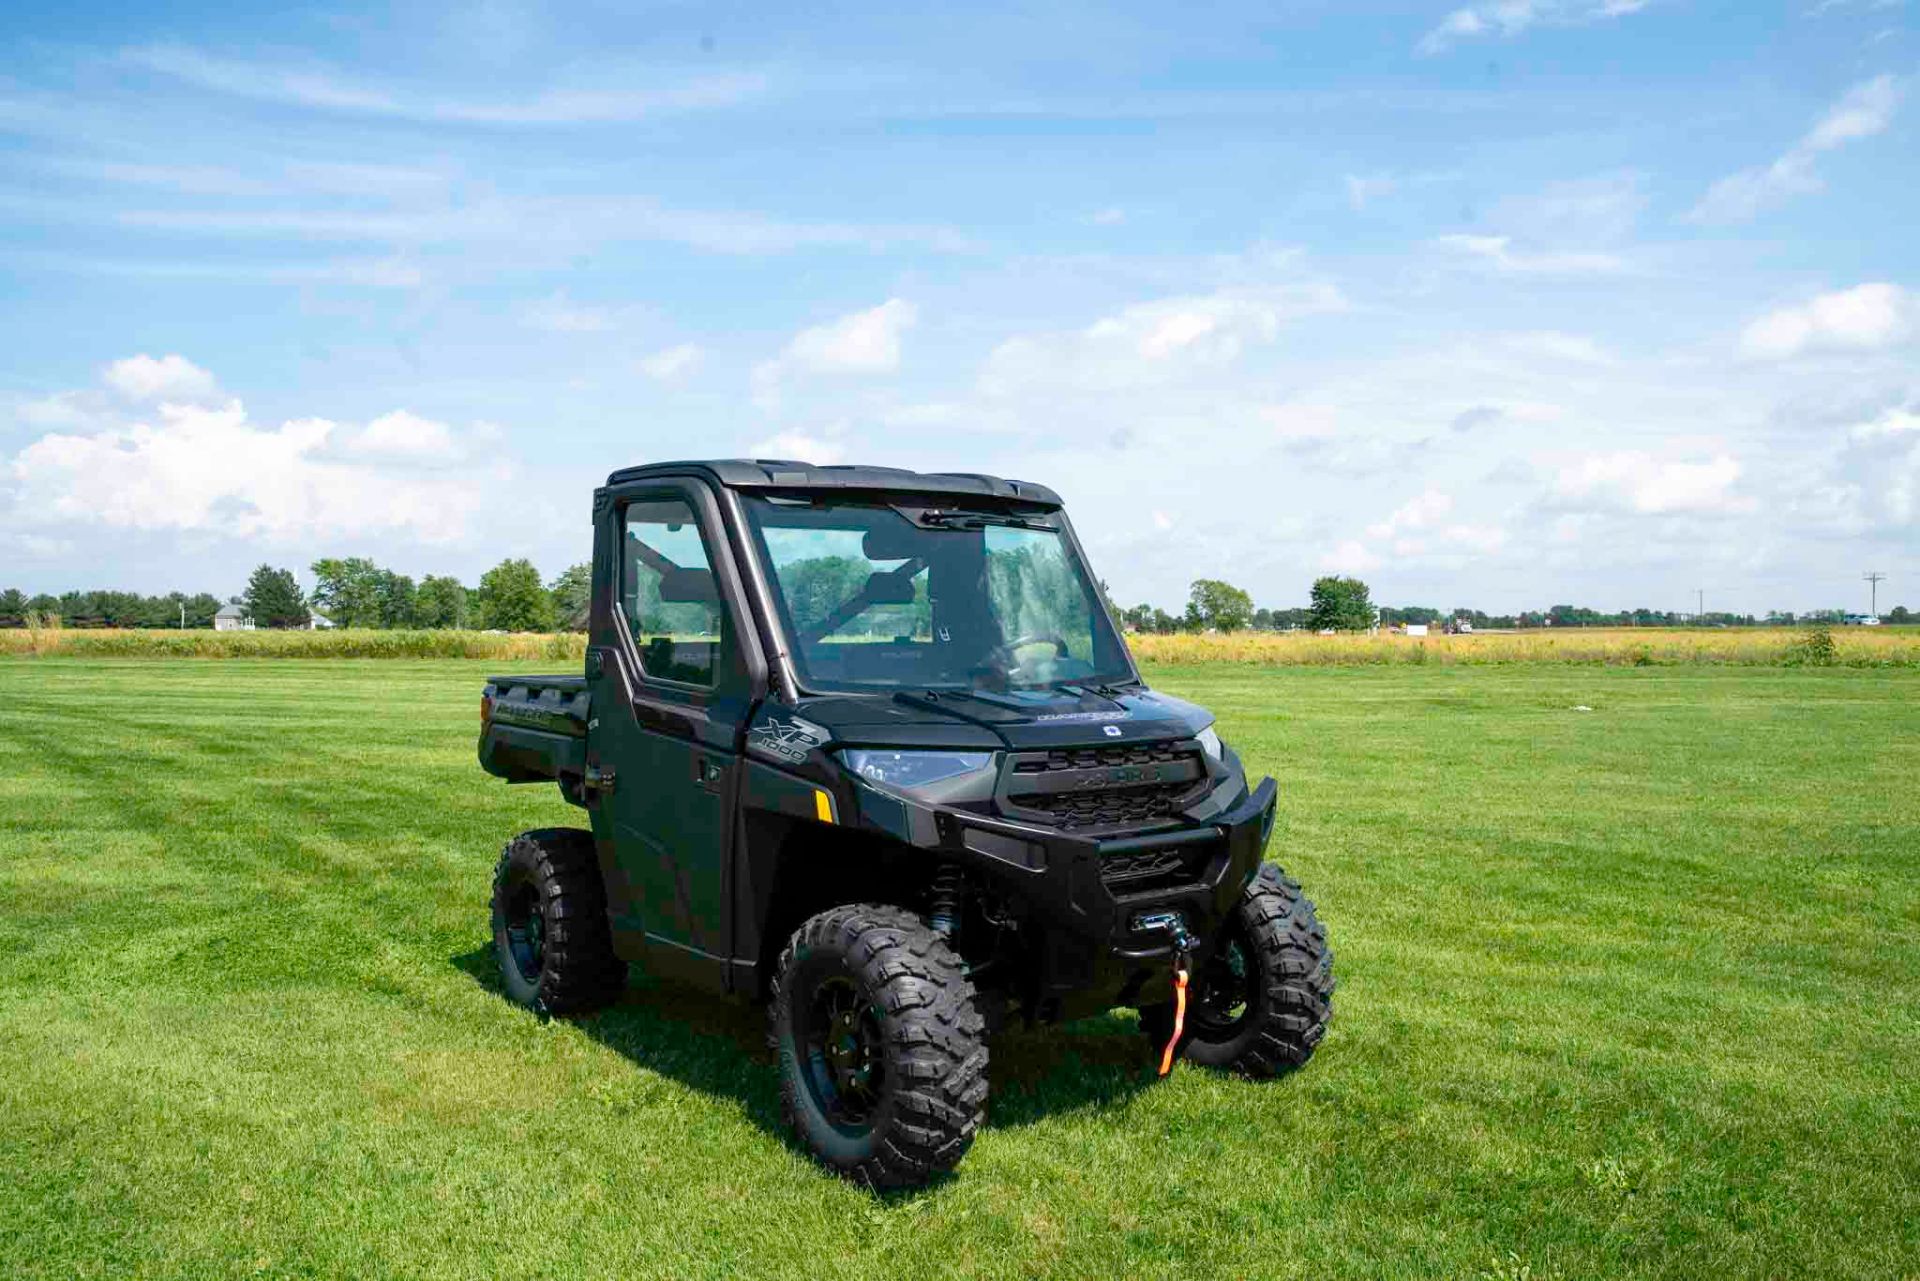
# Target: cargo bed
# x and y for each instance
(534, 729)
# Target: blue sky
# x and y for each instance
(1511, 304)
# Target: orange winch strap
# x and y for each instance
(1179, 1019)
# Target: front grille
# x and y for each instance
(1105, 809)
(1091, 788)
(1150, 869)
(1089, 757)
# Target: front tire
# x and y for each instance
(1262, 1002)
(550, 932)
(883, 1053)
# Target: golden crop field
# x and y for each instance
(1850, 646)
(105, 642)
(1613, 646)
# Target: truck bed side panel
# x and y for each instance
(536, 729)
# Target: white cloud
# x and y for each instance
(1867, 109)
(1601, 209)
(33, 547)
(62, 409)
(376, 273)
(1109, 217)
(1418, 513)
(1498, 252)
(1580, 227)
(1491, 414)
(1420, 528)
(321, 89)
(866, 342)
(1476, 417)
(212, 471)
(671, 363)
(1350, 557)
(1887, 452)
(1865, 318)
(1872, 486)
(550, 227)
(1363, 191)
(1482, 539)
(1637, 481)
(144, 379)
(1298, 421)
(403, 435)
(1864, 110)
(1152, 342)
(556, 314)
(1552, 344)
(1508, 18)
(800, 447)
(208, 470)
(863, 343)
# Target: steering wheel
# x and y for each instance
(1008, 649)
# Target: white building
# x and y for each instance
(232, 618)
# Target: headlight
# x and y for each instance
(912, 769)
(1210, 740)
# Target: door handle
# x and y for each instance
(707, 772)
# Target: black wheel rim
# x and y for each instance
(841, 1054)
(527, 931)
(1225, 991)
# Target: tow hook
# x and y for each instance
(1173, 924)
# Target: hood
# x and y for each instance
(1021, 720)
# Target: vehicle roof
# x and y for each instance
(778, 473)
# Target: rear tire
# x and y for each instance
(1262, 1002)
(883, 1053)
(550, 933)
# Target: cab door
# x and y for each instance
(671, 688)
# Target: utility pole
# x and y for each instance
(183, 616)
(1874, 579)
(1700, 615)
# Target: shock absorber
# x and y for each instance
(944, 910)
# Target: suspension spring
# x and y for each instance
(944, 916)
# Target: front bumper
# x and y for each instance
(1075, 888)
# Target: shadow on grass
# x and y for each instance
(718, 1045)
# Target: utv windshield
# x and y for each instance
(883, 597)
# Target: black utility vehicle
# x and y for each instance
(866, 743)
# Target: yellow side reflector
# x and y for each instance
(822, 805)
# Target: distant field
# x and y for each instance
(1631, 991)
(1626, 647)
(1610, 646)
(108, 642)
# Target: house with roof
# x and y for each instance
(231, 617)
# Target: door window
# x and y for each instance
(668, 593)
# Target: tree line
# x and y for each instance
(1345, 605)
(512, 597)
(1334, 604)
(348, 592)
(110, 609)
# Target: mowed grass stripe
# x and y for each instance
(1629, 991)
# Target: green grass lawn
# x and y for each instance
(1633, 990)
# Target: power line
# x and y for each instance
(1874, 578)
